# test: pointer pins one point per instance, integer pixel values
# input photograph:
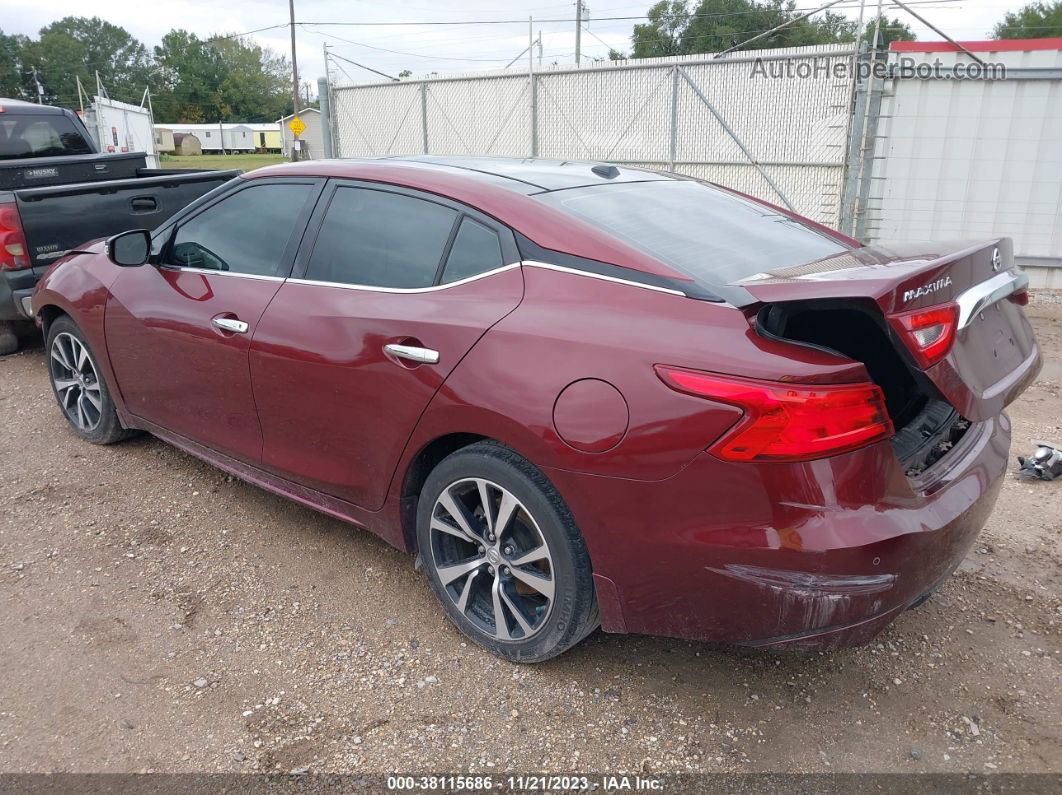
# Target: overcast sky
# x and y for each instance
(430, 48)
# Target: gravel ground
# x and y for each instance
(158, 615)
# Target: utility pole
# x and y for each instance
(294, 82)
(578, 30)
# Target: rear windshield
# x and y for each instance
(39, 136)
(710, 234)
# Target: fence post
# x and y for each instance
(853, 160)
(674, 115)
(534, 115)
(326, 116)
(876, 89)
(424, 113)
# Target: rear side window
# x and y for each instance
(476, 249)
(247, 232)
(380, 239)
(40, 136)
(710, 234)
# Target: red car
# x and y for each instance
(583, 394)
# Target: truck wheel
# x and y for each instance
(503, 555)
(79, 387)
(8, 338)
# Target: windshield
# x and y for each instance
(39, 136)
(714, 236)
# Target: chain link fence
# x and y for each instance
(774, 124)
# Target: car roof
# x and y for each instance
(522, 175)
(503, 189)
(542, 174)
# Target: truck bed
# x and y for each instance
(58, 218)
(39, 172)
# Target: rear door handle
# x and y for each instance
(230, 324)
(413, 353)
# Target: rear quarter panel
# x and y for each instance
(569, 328)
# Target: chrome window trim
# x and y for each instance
(602, 277)
(983, 295)
(212, 272)
(406, 290)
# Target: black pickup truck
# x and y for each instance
(57, 192)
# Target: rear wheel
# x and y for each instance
(503, 555)
(78, 387)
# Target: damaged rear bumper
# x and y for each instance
(815, 555)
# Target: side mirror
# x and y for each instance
(130, 249)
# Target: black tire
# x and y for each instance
(104, 429)
(572, 613)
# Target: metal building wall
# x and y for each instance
(962, 159)
(687, 114)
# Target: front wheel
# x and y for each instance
(78, 386)
(503, 555)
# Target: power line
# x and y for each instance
(401, 52)
(406, 23)
(361, 66)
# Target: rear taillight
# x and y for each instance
(786, 422)
(928, 333)
(12, 240)
(1021, 297)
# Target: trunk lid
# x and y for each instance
(994, 355)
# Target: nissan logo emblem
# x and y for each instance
(997, 260)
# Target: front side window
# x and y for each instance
(247, 232)
(380, 239)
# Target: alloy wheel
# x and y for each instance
(492, 559)
(76, 381)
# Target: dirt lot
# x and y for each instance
(158, 615)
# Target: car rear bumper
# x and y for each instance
(815, 555)
(16, 288)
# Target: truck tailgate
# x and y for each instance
(60, 218)
(42, 172)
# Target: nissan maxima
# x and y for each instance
(580, 394)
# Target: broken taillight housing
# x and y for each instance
(928, 333)
(788, 422)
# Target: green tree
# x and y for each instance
(1036, 20)
(256, 82)
(891, 30)
(16, 81)
(716, 25)
(188, 77)
(77, 47)
(662, 34)
(222, 78)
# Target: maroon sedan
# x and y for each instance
(583, 394)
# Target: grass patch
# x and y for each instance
(245, 162)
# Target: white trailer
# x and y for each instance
(120, 127)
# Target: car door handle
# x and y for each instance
(230, 324)
(413, 353)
